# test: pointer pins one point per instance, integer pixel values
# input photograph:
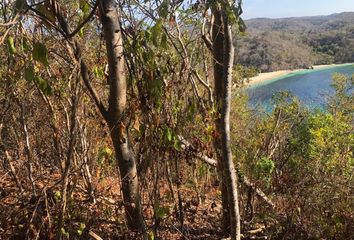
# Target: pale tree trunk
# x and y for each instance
(223, 53)
(116, 116)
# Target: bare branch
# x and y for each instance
(205, 37)
(92, 92)
(10, 23)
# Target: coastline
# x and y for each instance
(264, 77)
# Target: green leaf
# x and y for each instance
(241, 25)
(148, 55)
(81, 32)
(64, 232)
(57, 196)
(25, 46)
(42, 83)
(161, 212)
(192, 108)
(44, 86)
(168, 134)
(29, 73)
(177, 145)
(151, 235)
(79, 232)
(232, 17)
(98, 71)
(156, 32)
(81, 229)
(46, 12)
(163, 10)
(164, 41)
(107, 151)
(20, 4)
(11, 45)
(40, 53)
(148, 34)
(85, 7)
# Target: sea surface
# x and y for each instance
(311, 87)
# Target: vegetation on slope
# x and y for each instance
(303, 160)
(58, 170)
(290, 43)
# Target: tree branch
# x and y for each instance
(70, 35)
(92, 92)
(205, 37)
(242, 179)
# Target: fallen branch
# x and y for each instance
(242, 179)
(94, 235)
(256, 231)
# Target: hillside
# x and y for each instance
(288, 43)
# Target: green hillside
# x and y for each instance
(288, 43)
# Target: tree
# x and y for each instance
(224, 13)
(116, 115)
(51, 18)
(52, 15)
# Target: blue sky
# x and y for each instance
(294, 8)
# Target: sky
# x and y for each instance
(294, 8)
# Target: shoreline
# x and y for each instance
(263, 77)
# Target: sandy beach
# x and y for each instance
(270, 75)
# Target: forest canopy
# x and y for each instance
(293, 43)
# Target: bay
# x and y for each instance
(311, 87)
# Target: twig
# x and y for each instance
(47, 207)
(94, 235)
(28, 150)
(13, 170)
(205, 37)
(34, 213)
(10, 23)
(2, 39)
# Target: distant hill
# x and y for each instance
(288, 43)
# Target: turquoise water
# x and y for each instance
(311, 87)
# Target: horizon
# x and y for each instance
(275, 9)
(304, 16)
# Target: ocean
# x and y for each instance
(311, 87)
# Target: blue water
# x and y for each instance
(311, 87)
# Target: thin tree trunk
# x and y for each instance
(56, 134)
(223, 52)
(116, 116)
(218, 49)
(86, 173)
(230, 173)
(28, 150)
(8, 158)
(68, 161)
